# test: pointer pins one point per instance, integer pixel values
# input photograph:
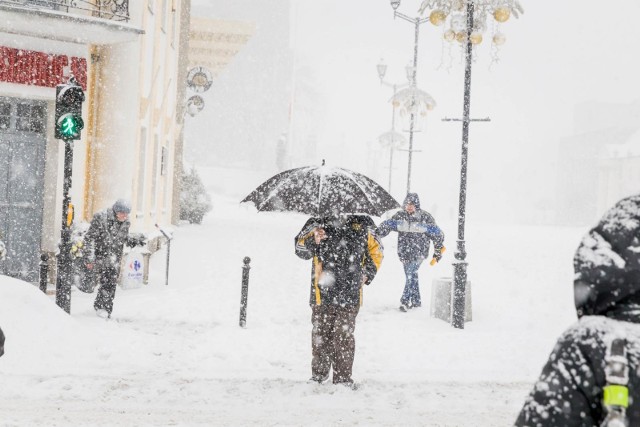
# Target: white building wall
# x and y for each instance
(116, 132)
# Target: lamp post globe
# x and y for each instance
(382, 69)
(395, 4)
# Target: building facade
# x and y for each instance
(589, 177)
(126, 56)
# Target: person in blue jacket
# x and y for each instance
(416, 230)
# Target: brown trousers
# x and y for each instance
(332, 341)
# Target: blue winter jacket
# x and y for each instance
(415, 231)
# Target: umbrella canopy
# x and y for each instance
(322, 191)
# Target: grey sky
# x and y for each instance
(558, 54)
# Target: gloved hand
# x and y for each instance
(136, 239)
(437, 255)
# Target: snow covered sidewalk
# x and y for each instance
(175, 355)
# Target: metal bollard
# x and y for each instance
(169, 238)
(245, 291)
(44, 272)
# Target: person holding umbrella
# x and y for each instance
(339, 239)
(416, 230)
(346, 256)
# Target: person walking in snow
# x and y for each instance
(591, 377)
(346, 255)
(104, 243)
(416, 230)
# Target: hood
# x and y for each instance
(607, 262)
(413, 198)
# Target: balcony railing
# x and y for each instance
(115, 10)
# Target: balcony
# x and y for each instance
(101, 22)
(114, 10)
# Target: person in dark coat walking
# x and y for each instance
(346, 255)
(105, 240)
(591, 377)
(416, 230)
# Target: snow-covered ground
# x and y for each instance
(175, 355)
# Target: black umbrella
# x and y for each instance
(322, 191)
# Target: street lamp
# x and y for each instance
(392, 139)
(416, 22)
(467, 23)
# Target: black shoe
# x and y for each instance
(352, 385)
(319, 379)
(416, 305)
(403, 308)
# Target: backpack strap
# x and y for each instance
(615, 399)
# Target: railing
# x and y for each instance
(115, 10)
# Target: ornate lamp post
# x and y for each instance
(416, 22)
(467, 23)
(392, 139)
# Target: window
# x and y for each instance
(163, 161)
(154, 172)
(174, 28)
(5, 115)
(165, 168)
(141, 171)
(163, 22)
(31, 118)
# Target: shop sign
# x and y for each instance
(30, 67)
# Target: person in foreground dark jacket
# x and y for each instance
(346, 255)
(591, 377)
(416, 230)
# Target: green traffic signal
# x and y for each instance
(68, 118)
(70, 125)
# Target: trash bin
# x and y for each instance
(441, 299)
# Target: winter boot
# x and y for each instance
(100, 312)
(319, 379)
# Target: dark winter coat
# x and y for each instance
(415, 231)
(569, 391)
(106, 238)
(341, 262)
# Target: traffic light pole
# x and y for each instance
(63, 280)
(68, 124)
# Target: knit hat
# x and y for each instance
(607, 262)
(122, 205)
(413, 199)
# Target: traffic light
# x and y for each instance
(69, 99)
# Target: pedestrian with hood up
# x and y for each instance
(105, 240)
(346, 256)
(416, 230)
(591, 377)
